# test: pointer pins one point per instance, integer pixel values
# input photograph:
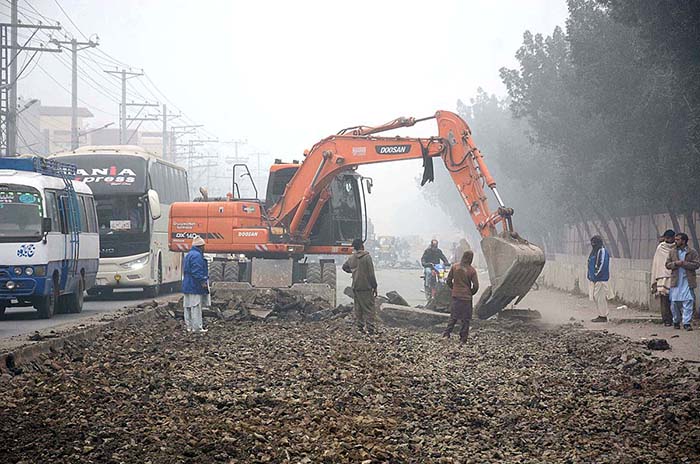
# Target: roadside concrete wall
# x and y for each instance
(630, 279)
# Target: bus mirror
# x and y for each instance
(45, 225)
(154, 204)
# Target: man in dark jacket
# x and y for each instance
(599, 274)
(431, 256)
(464, 282)
(364, 286)
(683, 261)
(195, 286)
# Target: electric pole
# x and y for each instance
(12, 114)
(74, 46)
(179, 131)
(124, 74)
(9, 54)
(164, 137)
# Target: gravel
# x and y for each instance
(303, 392)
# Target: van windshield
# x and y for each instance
(20, 213)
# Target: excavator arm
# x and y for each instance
(513, 263)
(357, 146)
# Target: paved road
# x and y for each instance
(20, 321)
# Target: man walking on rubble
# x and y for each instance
(661, 276)
(683, 261)
(364, 287)
(195, 286)
(463, 281)
(598, 275)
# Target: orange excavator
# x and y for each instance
(317, 206)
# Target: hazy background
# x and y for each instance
(283, 75)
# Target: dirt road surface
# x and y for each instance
(306, 392)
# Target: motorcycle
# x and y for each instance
(437, 293)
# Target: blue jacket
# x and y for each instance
(599, 266)
(196, 272)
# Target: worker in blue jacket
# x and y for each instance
(195, 286)
(598, 275)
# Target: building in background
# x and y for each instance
(47, 129)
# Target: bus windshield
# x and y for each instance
(124, 215)
(20, 213)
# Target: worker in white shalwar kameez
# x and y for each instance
(195, 286)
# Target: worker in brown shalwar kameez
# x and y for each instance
(463, 281)
(364, 287)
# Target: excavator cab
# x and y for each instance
(341, 218)
(340, 221)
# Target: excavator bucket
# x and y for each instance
(514, 265)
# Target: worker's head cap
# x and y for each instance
(197, 241)
(669, 233)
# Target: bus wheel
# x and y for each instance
(74, 301)
(154, 290)
(46, 305)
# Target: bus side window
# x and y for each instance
(91, 214)
(62, 202)
(83, 214)
(52, 210)
(171, 185)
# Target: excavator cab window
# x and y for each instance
(277, 182)
(341, 217)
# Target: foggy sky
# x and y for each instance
(285, 74)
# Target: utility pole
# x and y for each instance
(124, 74)
(74, 46)
(9, 54)
(179, 131)
(12, 113)
(164, 137)
(236, 143)
(258, 172)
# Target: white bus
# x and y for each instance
(133, 190)
(49, 245)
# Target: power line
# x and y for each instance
(68, 91)
(69, 19)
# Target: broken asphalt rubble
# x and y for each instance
(296, 390)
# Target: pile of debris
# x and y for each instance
(272, 304)
(276, 304)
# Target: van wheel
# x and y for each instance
(74, 301)
(46, 305)
(154, 290)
